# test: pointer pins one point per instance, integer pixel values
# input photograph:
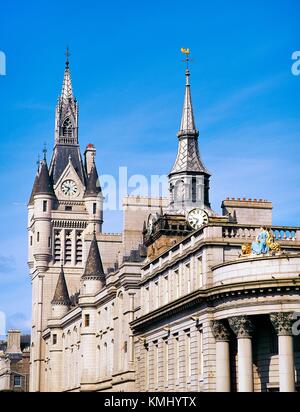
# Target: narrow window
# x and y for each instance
(188, 278)
(54, 339)
(45, 206)
(31, 240)
(17, 380)
(57, 250)
(68, 248)
(49, 241)
(200, 271)
(176, 357)
(87, 321)
(94, 208)
(79, 251)
(38, 236)
(166, 361)
(177, 284)
(188, 354)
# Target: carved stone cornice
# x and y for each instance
(242, 326)
(282, 323)
(220, 331)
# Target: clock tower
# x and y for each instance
(65, 206)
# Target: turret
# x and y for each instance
(94, 199)
(61, 300)
(189, 178)
(44, 198)
(93, 279)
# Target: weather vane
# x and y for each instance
(45, 151)
(68, 54)
(187, 53)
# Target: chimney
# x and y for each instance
(90, 154)
(14, 341)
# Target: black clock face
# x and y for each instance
(197, 218)
(69, 188)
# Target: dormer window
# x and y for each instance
(67, 128)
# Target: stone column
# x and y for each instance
(283, 323)
(243, 328)
(222, 337)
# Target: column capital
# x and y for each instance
(282, 323)
(220, 331)
(242, 326)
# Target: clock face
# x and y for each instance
(197, 218)
(69, 188)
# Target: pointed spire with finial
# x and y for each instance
(67, 89)
(93, 187)
(61, 295)
(44, 181)
(188, 157)
(94, 268)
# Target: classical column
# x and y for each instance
(222, 337)
(243, 328)
(283, 323)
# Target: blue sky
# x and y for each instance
(129, 80)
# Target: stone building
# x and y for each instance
(179, 301)
(14, 363)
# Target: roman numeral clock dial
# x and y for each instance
(197, 218)
(69, 188)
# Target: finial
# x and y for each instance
(68, 54)
(45, 151)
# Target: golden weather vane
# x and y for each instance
(187, 53)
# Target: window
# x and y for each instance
(54, 339)
(147, 308)
(68, 248)
(94, 208)
(155, 364)
(156, 294)
(166, 361)
(31, 241)
(188, 363)
(68, 208)
(45, 206)
(176, 357)
(200, 351)
(177, 284)
(67, 128)
(17, 380)
(166, 289)
(38, 236)
(200, 271)
(78, 251)
(49, 241)
(86, 321)
(57, 250)
(188, 278)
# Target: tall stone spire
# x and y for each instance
(187, 125)
(66, 130)
(67, 90)
(189, 178)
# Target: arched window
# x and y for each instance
(57, 250)
(78, 251)
(68, 253)
(67, 128)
